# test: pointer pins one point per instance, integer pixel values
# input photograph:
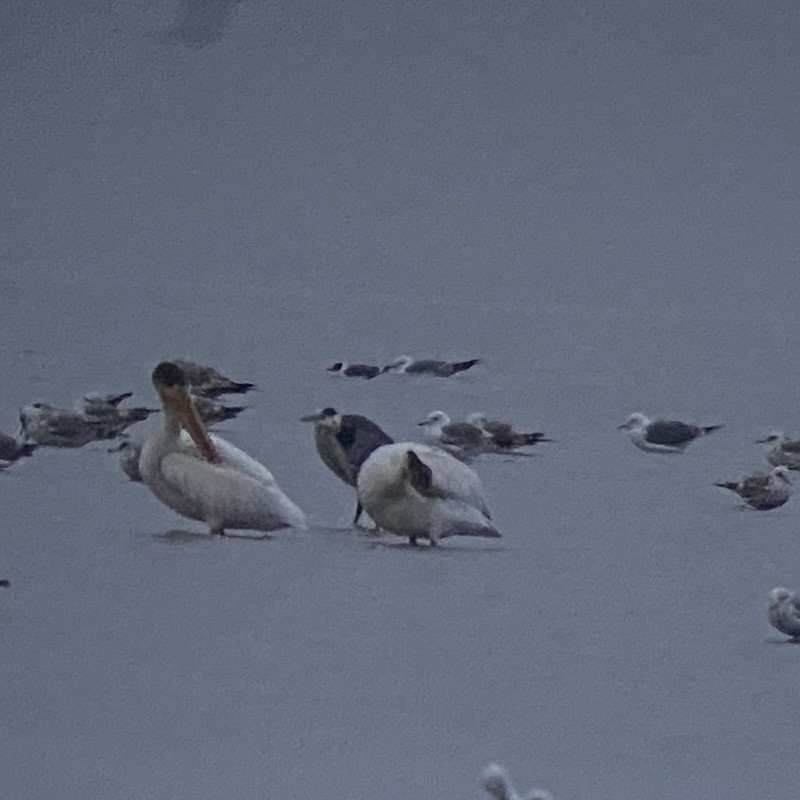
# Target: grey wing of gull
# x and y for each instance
(71, 425)
(791, 446)
(497, 428)
(462, 433)
(754, 485)
(670, 433)
(8, 447)
(426, 365)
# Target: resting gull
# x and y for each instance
(46, 425)
(782, 451)
(129, 452)
(463, 437)
(414, 490)
(11, 450)
(762, 490)
(208, 382)
(783, 612)
(661, 435)
(344, 442)
(99, 404)
(427, 366)
(212, 412)
(503, 435)
(114, 419)
(497, 783)
(355, 370)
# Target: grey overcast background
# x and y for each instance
(598, 199)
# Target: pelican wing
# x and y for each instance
(451, 478)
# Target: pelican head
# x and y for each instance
(635, 421)
(329, 417)
(171, 385)
(435, 419)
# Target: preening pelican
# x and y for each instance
(211, 480)
(414, 490)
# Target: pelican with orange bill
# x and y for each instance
(208, 479)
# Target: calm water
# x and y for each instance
(599, 200)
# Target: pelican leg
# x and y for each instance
(412, 540)
(359, 512)
(216, 531)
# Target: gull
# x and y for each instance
(206, 381)
(762, 490)
(782, 451)
(414, 490)
(344, 442)
(355, 370)
(463, 437)
(211, 480)
(11, 450)
(98, 404)
(212, 412)
(496, 781)
(46, 425)
(106, 409)
(783, 612)
(427, 366)
(129, 453)
(502, 434)
(661, 435)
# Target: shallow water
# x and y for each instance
(598, 202)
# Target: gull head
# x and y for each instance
(636, 421)
(436, 419)
(400, 363)
(779, 595)
(782, 473)
(497, 783)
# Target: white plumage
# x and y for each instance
(209, 480)
(414, 490)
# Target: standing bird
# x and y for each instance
(781, 451)
(11, 450)
(762, 490)
(459, 438)
(428, 366)
(344, 442)
(48, 426)
(496, 781)
(661, 435)
(355, 370)
(206, 381)
(503, 435)
(783, 612)
(212, 481)
(414, 490)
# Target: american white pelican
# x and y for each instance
(414, 490)
(206, 381)
(782, 451)
(429, 366)
(211, 481)
(355, 370)
(784, 612)
(344, 442)
(762, 490)
(503, 434)
(497, 783)
(662, 435)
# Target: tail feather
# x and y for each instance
(460, 366)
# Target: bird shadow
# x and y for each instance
(178, 536)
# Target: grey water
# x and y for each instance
(597, 199)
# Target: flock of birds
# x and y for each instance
(409, 489)
(415, 490)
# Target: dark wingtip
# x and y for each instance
(460, 366)
(240, 387)
(711, 428)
